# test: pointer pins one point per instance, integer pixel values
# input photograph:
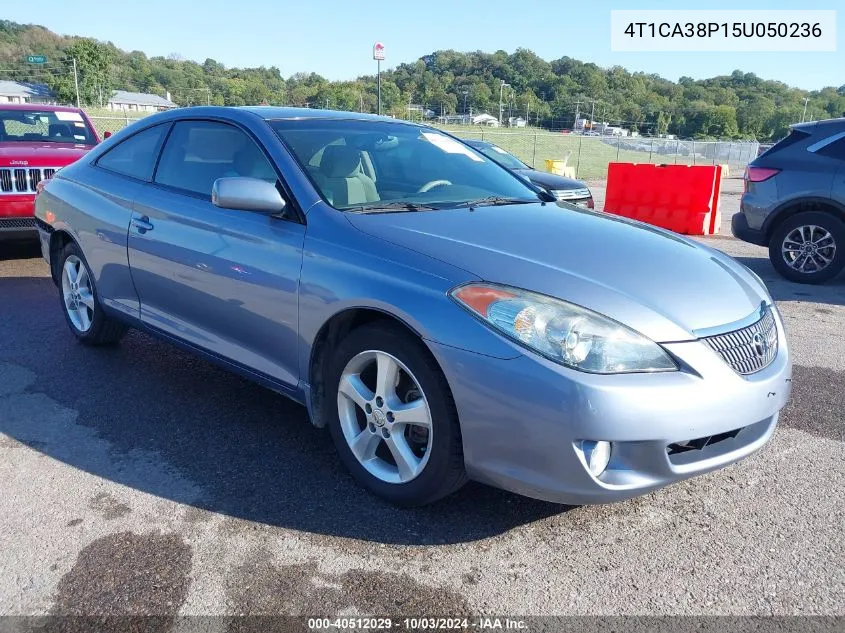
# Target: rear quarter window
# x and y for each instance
(136, 156)
(834, 150)
(795, 136)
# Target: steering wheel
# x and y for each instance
(431, 184)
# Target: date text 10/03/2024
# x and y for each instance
(417, 624)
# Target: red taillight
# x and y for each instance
(759, 174)
(591, 204)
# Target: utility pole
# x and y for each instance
(501, 90)
(805, 109)
(577, 115)
(76, 82)
(593, 114)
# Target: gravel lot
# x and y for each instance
(141, 480)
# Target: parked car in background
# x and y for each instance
(565, 189)
(794, 202)
(444, 319)
(35, 141)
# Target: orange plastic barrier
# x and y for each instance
(681, 198)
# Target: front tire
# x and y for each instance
(809, 247)
(392, 416)
(80, 303)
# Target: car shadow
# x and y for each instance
(162, 421)
(19, 249)
(831, 292)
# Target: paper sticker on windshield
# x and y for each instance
(450, 146)
(68, 116)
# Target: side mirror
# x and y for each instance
(106, 134)
(247, 194)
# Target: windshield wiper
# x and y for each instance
(493, 201)
(392, 206)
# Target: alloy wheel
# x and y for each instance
(384, 417)
(78, 294)
(808, 248)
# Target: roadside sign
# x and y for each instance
(36, 59)
(378, 51)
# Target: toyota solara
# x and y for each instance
(441, 316)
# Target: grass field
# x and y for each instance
(589, 156)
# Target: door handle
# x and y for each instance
(143, 224)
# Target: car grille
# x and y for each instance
(700, 443)
(20, 180)
(571, 194)
(751, 348)
(17, 223)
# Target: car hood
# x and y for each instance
(552, 182)
(19, 154)
(663, 285)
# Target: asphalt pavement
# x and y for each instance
(142, 480)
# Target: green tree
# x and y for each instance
(93, 63)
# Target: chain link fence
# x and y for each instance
(587, 156)
(111, 124)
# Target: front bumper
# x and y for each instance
(522, 420)
(16, 217)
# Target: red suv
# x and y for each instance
(35, 141)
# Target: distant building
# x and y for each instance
(485, 119)
(516, 121)
(24, 92)
(416, 110)
(454, 119)
(139, 102)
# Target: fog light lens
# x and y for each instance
(597, 455)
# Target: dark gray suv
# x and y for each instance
(794, 202)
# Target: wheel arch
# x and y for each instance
(326, 339)
(799, 205)
(59, 238)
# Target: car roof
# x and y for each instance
(825, 126)
(274, 112)
(38, 107)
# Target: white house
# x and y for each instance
(516, 121)
(139, 102)
(24, 92)
(485, 119)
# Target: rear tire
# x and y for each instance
(388, 398)
(80, 302)
(808, 247)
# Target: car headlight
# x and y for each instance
(563, 332)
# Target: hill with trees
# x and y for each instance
(550, 94)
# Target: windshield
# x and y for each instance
(376, 165)
(28, 126)
(497, 153)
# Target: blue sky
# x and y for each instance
(335, 38)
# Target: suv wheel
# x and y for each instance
(808, 247)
